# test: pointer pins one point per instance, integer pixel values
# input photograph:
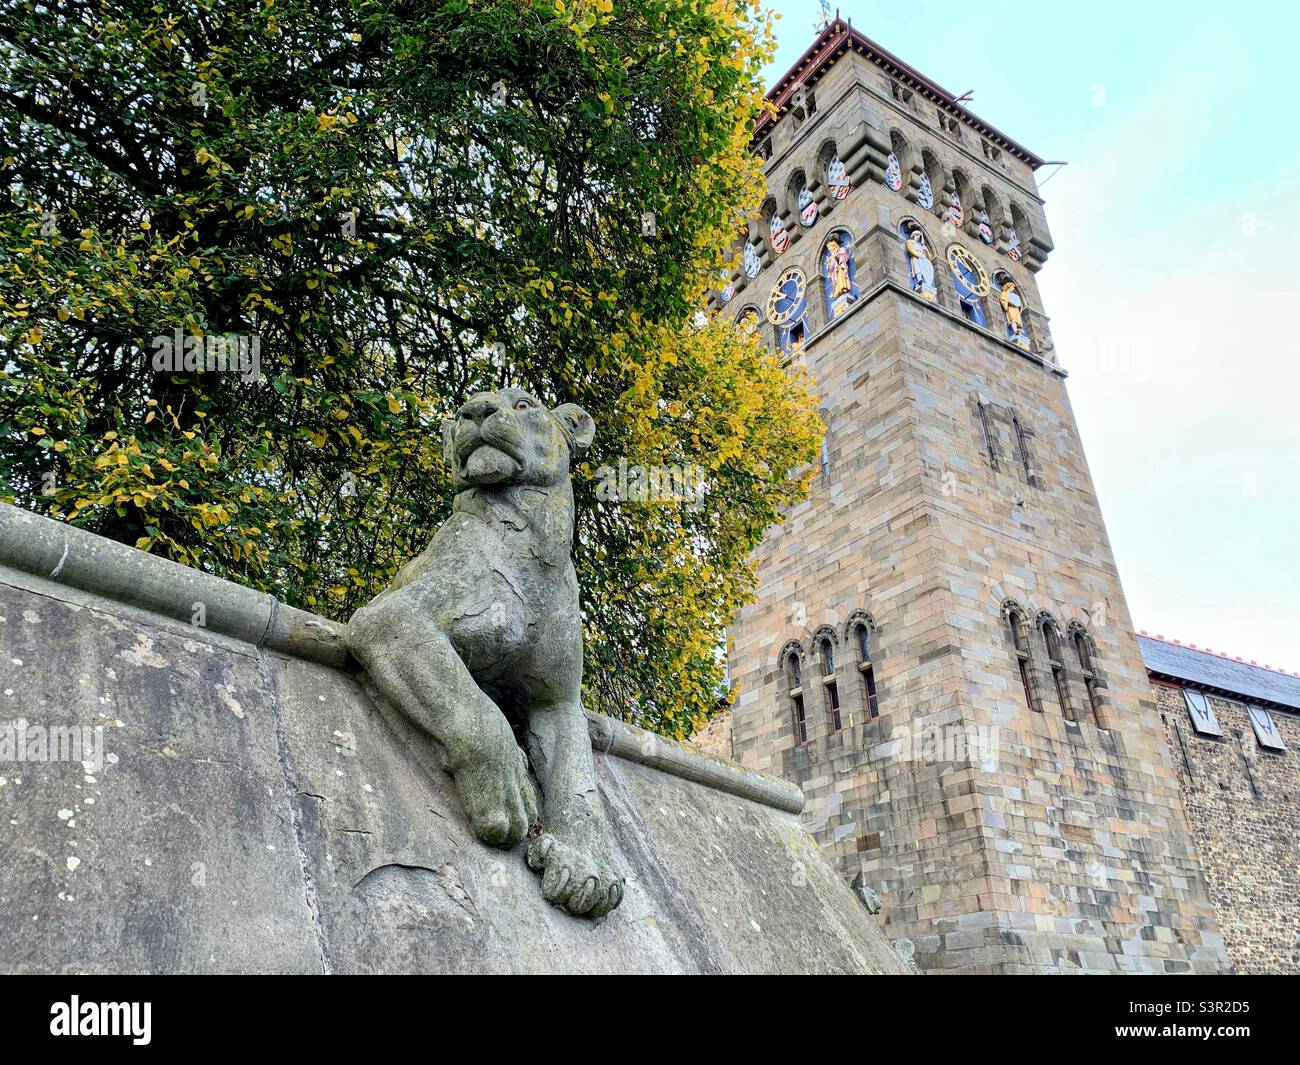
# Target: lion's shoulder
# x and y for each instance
(460, 553)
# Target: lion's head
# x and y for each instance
(509, 437)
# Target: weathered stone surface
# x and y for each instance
(863, 891)
(1243, 805)
(953, 481)
(178, 853)
(261, 812)
(479, 640)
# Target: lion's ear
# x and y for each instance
(579, 428)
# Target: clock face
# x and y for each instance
(787, 299)
(968, 271)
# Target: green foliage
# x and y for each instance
(404, 203)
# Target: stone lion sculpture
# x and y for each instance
(481, 635)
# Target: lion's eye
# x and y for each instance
(523, 404)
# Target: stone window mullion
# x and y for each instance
(1039, 671)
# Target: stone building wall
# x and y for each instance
(1243, 805)
(715, 737)
(1000, 838)
(1063, 848)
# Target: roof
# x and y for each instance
(1202, 668)
(838, 38)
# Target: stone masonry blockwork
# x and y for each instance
(1001, 838)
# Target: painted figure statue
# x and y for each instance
(839, 273)
(920, 265)
(837, 267)
(1013, 307)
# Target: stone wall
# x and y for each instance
(1243, 805)
(715, 737)
(1064, 846)
(1068, 850)
(232, 798)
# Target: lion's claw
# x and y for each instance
(573, 879)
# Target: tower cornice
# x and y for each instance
(839, 38)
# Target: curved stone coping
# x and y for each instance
(646, 748)
(82, 560)
(68, 555)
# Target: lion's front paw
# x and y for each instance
(498, 796)
(575, 878)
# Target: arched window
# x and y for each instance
(898, 167)
(825, 153)
(801, 196)
(1083, 649)
(803, 104)
(1020, 644)
(862, 635)
(825, 416)
(931, 185)
(1022, 448)
(965, 195)
(827, 648)
(774, 227)
(989, 217)
(794, 690)
(1016, 234)
(1056, 663)
(831, 169)
(982, 411)
(839, 274)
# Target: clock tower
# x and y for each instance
(940, 653)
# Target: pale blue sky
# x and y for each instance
(1174, 290)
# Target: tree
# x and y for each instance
(393, 205)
